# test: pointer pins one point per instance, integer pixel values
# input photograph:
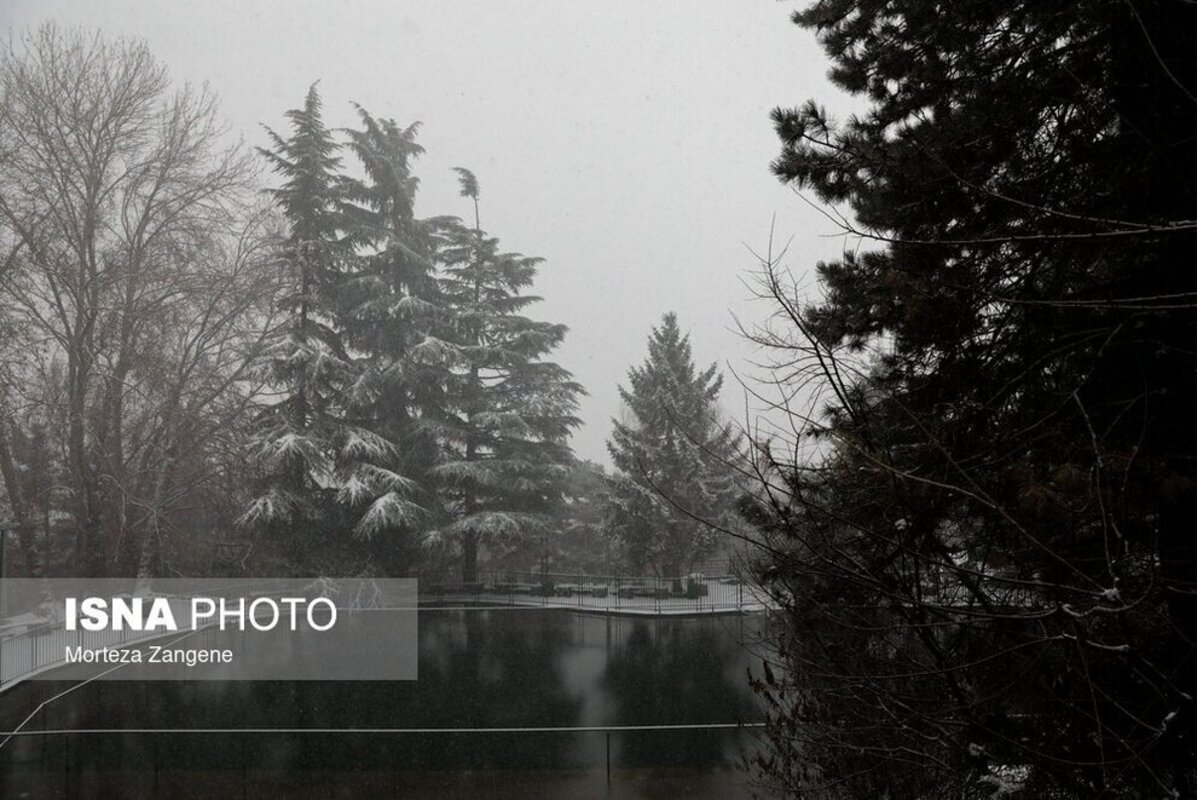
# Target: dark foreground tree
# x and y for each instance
(987, 558)
(675, 488)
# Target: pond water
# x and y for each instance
(507, 668)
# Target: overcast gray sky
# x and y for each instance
(627, 142)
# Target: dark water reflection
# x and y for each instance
(478, 669)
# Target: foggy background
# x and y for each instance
(626, 143)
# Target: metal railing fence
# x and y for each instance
(689, 593)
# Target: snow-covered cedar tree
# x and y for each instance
(310, 443)
(508, 411)
(391, 306)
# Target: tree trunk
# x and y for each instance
(89, 558)
(110, 449)
(469, 558)
(20, 509)
(150, 559)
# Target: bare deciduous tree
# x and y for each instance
(134, 263)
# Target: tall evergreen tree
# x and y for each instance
(307, 441)
(675, 485)
(581, 521)
(508, 412)
(990, 564)
(392, 306)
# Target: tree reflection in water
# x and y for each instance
(478, 669)
(674, 672)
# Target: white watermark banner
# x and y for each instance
(208, 629)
